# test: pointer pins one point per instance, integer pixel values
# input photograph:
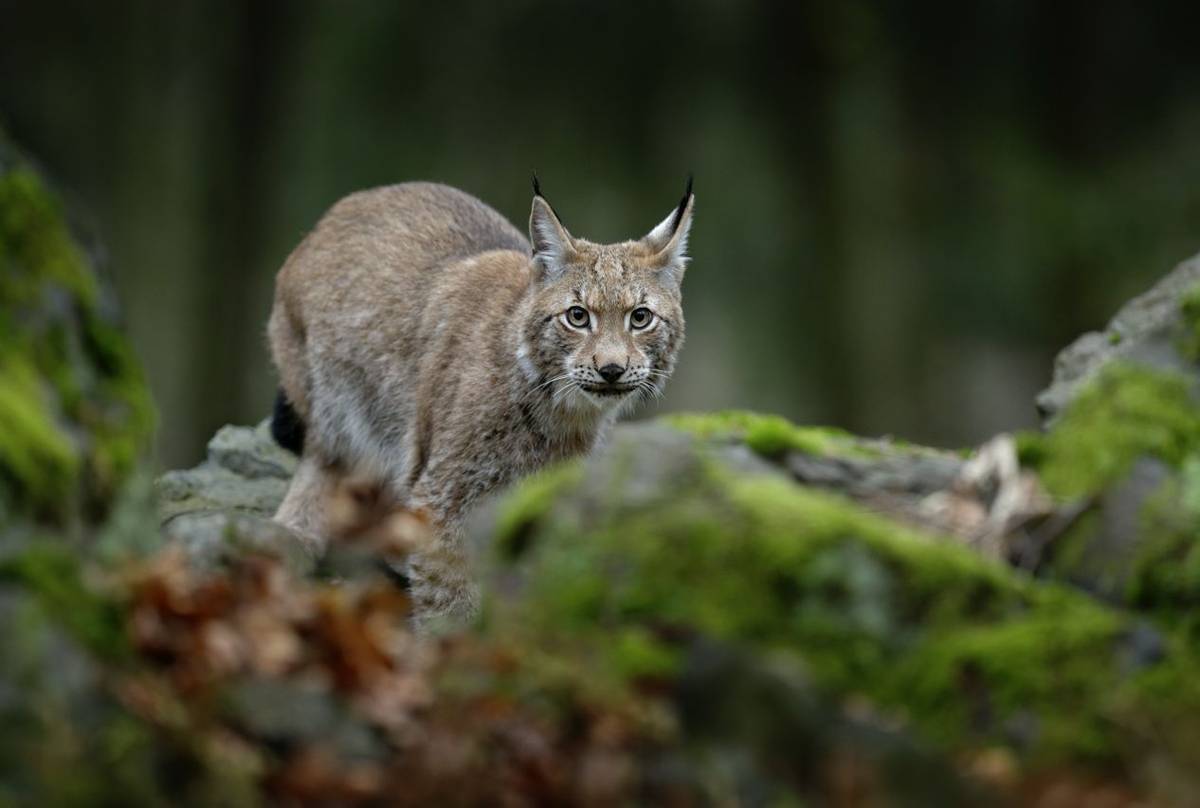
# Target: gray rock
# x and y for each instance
(290, 713)
(1102, 559)
(212, 538)
(901, 473)
(649, 458)
(645, 463)
(232, 494)
(252, 454)
(245, 471)
(225, 504)
(209, 488)
(729, 702)
(1146, 330)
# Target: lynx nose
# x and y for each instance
(611, 372)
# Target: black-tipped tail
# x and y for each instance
(286, 426)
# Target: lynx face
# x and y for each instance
(606, 322)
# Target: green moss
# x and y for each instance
(968, 652)
(1126, 413)
(74, 404)
(1189, 310)
(529, 502)
(1157, 707)
(119, 415)
(637, 654)
(1054, 666)
(1115, 338)
(1164, 577)
(1031, 448)
(35, 247)
(770, 435)
(37, 459)
(53, 575)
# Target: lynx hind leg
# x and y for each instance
(303, 510)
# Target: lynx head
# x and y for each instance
(606, 322)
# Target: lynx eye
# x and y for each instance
(640, 318)
(578, 317)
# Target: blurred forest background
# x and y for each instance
(903, 209)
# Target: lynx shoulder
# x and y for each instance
(422, 342)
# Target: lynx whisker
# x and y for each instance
(561, 393)
(648, 389)
(548, 383)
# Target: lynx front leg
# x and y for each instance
(441, 583)
(303, 510)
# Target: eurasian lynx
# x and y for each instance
(422, 342)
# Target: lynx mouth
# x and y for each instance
(607, 389)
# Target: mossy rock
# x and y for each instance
(1159, 329)
(74, 408)
(1126, 455)
(771, 435)
(1124, 413)
(1121, 451)
(629, 558)
(893, 476)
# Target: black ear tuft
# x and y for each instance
(537, 192)
(687, 194)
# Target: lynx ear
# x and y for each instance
(668, 241)
(552, 244)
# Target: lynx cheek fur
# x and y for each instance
(422, 341)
